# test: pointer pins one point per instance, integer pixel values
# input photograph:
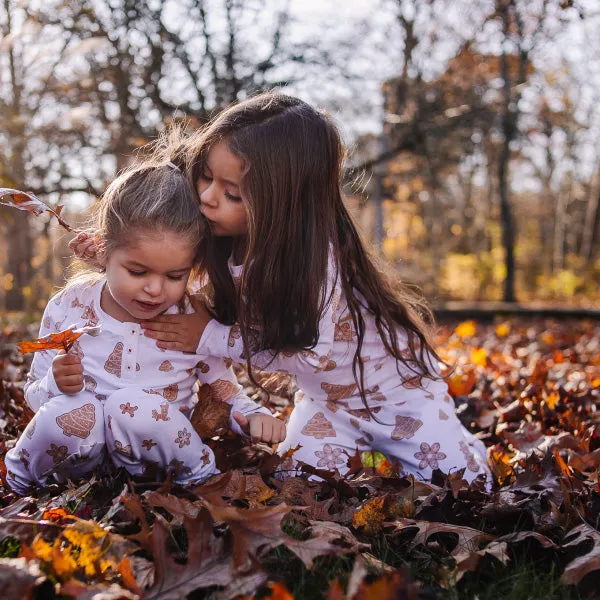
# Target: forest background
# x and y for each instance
(473, 128)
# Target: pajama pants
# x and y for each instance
(69, 436)
(422, 435)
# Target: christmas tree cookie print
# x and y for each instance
(165, 366)
(113, 362)
(405, 428)
(319, 427)
(78, 422)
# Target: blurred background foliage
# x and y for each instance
(473, 127)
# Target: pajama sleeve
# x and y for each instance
(40, 385)
(225, 387)
(224, 340)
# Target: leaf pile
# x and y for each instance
(530, 390)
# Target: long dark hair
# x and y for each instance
(292, 156)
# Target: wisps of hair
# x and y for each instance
(151, 194)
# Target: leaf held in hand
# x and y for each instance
(63, 340)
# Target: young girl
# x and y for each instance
(119, 391)
(294, 289)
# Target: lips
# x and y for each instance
(147, 306)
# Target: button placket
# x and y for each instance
(130, 353)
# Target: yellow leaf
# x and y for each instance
(370, 516)
(499, 461)
(466, 329)
(502, 330)
(479, 356)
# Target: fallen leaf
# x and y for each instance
(589, 562)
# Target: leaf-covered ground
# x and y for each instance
(530, 389)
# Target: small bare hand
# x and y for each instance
(261, 428)
(68, 372)
(179, 332)
(89, 249)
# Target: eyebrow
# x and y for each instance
(142, 266)
(233, 183)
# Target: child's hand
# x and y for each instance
(68, 372)
(89, 250)
(261, 428)
(179, 332)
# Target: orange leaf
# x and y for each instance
(127, 577)
(461, 385)
(63, 340)
(278, 592)
(499, 461)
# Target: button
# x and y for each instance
(129, 367)
(128, 349)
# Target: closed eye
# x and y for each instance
(232, 197)
(136, 273)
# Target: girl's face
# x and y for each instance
(148, 275)
(221, 201)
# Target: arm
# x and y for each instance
(40, 385)
(199, 332)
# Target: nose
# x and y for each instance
(153, 286)
(208, 196)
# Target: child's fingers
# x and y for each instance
(241, 420)
(280, 433)
(72, 380)
(256, 430)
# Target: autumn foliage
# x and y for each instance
(530, 390)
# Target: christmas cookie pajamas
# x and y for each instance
(411, 418)
(134, 406)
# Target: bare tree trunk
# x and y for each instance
(592, 221)
(506, 217)
(18, 237)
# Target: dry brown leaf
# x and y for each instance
(589, 562)
(211, 416)
(468, 538)
(207, 563)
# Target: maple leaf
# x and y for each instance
(63, 340)
(27, 201)
(589, 562)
